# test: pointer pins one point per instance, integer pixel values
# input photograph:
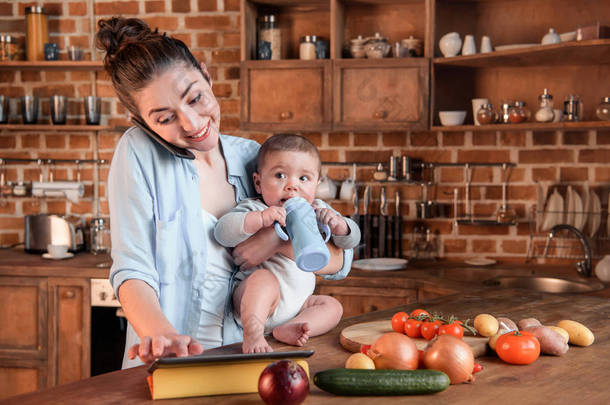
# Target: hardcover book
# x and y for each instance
(179, 377)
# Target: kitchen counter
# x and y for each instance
(16, 262)
(580, 376)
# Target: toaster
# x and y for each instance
(44, 229)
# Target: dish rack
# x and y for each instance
(566, 245)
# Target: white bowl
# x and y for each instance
(451, 118)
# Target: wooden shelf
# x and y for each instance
(45, 127)
(590, 52)
(537, 126)
(52, 65)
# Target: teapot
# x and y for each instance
(376, 47)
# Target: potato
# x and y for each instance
(527, 322)
(360, 360)
(579, 334)
(486, 325)
(494, 338)
(561, 331)
(551, 342)
(508, 324)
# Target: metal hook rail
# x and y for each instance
(52, 161)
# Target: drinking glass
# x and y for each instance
(29, 109)
(93, 110)
(58, 109)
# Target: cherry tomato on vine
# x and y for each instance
(413, 328)
(398, 322)
(429, 329)
(419, 311)
(454, 329)
(519, 347)
(364, 349)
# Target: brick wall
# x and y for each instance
(211, 29)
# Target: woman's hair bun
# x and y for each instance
(116, 33)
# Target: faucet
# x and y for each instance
(584, 267)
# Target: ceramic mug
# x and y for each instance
(486, 44)
(327, 189)
(469, 47)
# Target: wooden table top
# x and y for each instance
(580, 376)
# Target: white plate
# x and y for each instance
(570, 208)
(578, 210)
(513, 46)
(380, 264)
(553, 213)
(480, 261)
(595, 214)
(66, 256)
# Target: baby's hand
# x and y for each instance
(272, 214)
(337, 224)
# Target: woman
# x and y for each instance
(172, 278)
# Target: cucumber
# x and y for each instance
(344, 381)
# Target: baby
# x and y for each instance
(277, 297)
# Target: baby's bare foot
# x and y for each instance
(254, 341)
(255, 344)
(295, 334)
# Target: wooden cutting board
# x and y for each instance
(366, 333)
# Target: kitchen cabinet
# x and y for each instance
(286, 95)
(573, 67)
(334, 94)
(45, 334)
(365, 291)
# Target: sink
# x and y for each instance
(476, 274)
(545, 284)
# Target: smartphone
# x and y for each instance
(173, 149)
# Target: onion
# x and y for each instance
(394, 351)
(452, 356)
(283, 383)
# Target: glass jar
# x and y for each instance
(307, 47)
(100, 236)
(504, 111)
(573, 109)
(518, 113)
(603, 109)
(269, 39)
(545, 112)
(486, 114)
(36, 33)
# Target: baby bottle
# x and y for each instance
(310, 251)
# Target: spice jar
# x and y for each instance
(545, 112)
(8, 48)
(307, 48)
(603, 109)
(486, 114)
(37, 32)
(518, 113)
(504, 110)
(269, 39)
(100, 236)
(573, 108)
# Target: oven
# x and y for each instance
(108, 328)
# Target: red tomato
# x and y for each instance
(518, 347)
(413, 328)
(398, 322)
(364, 349)
(429, 329)
(418, 312)
(477, 367)
(454, 329)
